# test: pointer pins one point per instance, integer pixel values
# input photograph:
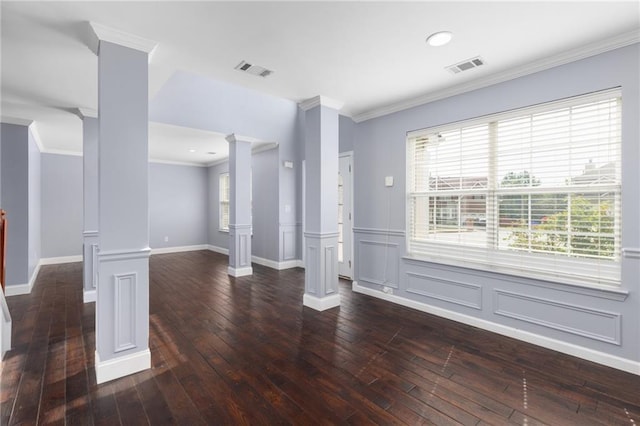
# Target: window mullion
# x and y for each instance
(492, 219)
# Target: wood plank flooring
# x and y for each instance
(245, 351)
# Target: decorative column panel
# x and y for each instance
(321, 203)
(239, 207)
(122, 305)
(90, 200)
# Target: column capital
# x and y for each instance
(99, 32)
(83, 113)
(232, 137)
(321, 101)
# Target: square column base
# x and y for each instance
(321, 271)
(321, 304)
(240, 272)
(122, 314)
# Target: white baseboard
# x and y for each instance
(217, 249)
(546, 342)
(89, 296)
(19, 289)
(321, 304)
(239, 272)
(62, 259)
(287, 264)
(5, 327)
(121, 366)
(178, 249)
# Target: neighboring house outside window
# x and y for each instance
(533, 192)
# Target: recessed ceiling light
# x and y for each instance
(439, 39)
(192, 150)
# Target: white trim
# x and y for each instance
(89, 296)
(322, 101)
(631, 252)
(62, 152)
(103, 33)
(545, 342)
(273, 264)
(217, 249)
(177, 163)
(19, 289)
(121, 366)
(321, 304)
(240, 272)
(582, 52)
(83, 112)
(62, 259)
(36, 136)
(15, 120)
(5, 326)
(178, 249)
(264, 147)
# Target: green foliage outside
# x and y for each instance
(576, 238)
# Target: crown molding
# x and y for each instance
(62, 152)
(321, 100)
(572, 55)
(36, 136)
(177, 163)
(99, 32)
(234, 137)
(15, 120)
(86, 112)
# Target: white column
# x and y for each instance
(90, 202)
(122, 305)
(321, 203)
(239, 207)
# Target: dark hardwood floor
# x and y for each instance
(245, 351)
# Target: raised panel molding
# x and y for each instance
(456, 292)
(125, 311)
(242, 246)
(375, 255)
(311, 271)
(572, 319)
(330, 272)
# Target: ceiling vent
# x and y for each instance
(466, 65)
(244, 66)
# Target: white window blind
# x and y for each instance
(533, 192)
(223, 195)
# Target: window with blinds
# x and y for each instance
(223, 195)
(533, 192)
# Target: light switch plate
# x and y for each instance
(388, 181)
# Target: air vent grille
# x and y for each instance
(244, 66)
(466, 65)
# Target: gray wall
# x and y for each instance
(347, 128)
(204, 103)
(600, 320)
(178, 197)
(264, 170)
(14, 142)
(62, 216)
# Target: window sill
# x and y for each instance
(601, 291)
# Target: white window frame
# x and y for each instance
(549, 267)
(224, 192)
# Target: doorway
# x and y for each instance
(345, 215)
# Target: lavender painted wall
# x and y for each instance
(607, 318)
(178, 208)
(62, 213)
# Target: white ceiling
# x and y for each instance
(370, 55)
